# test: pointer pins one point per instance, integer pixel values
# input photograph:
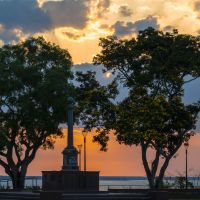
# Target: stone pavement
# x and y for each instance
(72, 196)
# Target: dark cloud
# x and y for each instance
(27, 16)
(145, 23)
(103, 4)
(23, 14)
(73, 36)
(104, 26)
(10, 35)
(102, 7)
(125, 11)
(72, 13)
(197, 5)
(168, 28)
(121, 28)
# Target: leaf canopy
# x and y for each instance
(34, 85)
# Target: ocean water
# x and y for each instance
(106, 182)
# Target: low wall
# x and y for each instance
(70, 181)
(164, 194)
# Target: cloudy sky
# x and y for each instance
(77, 25)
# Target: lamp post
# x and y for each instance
(84, 132)
(79, 152)
(186, 145)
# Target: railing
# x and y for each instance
(105, 184)
(30, 182)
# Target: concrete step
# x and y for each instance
(76, 196)
(7, 199)
(23, 198)
(19, 196)
(114, 196)
(108, 198)
(104, 194)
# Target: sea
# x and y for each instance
(105, 182)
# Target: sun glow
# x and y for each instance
(108, 74)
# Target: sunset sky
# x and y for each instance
(77, 26)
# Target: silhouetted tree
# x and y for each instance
(34, 87)
(155, 123)
(154, 67)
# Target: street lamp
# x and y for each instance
(79, 152)
(186, 145)
(84, 133)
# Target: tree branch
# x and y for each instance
(17, 153)
(155, 162)
(145, 162)
(4, 164)
(190, 80)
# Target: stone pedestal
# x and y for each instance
(70, 181)
(70, 156)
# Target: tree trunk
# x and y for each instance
(165, 165)
(159, 180)
(150, 177)
(17, 170)
(154, 182)
(18, 180)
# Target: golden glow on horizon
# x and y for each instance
(119, 160)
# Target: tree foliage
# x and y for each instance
(154, 67)
(34, 87)
(95, 103)
(160, 62)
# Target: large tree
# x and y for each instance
(155, 66)
(155, 123)
(34, 86)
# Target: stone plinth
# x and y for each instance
(70, 156)
(70, 181)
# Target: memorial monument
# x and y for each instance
(70, 178)
(70, 153)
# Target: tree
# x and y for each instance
(34, 88)
(155, 123)
(154, 67)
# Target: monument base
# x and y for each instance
(70, 180)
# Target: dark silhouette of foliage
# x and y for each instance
(95, 103)
(154, 67)
(34, 88)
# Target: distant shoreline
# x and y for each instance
(107, 178)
